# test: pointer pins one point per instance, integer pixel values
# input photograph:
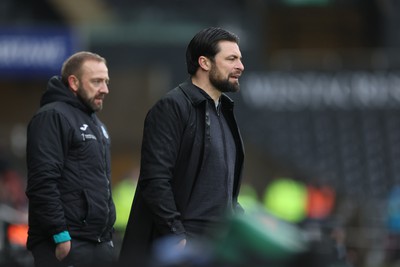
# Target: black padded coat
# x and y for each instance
(69, 170)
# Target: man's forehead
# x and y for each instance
(94, 67)
(228, 47)
(93, 63)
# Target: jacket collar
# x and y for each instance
(57, 92)
(196, 97)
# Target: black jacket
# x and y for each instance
(175, 140)
(68, 160)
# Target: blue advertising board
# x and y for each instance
(35, 52)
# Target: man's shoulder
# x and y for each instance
(57, 106)
(58, 109)
(187, 91)
(176, 95)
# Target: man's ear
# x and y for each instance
(204, 63)
(73, 83)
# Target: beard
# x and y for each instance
(223, 85)
(89, 101)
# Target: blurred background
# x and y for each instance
(319, 106)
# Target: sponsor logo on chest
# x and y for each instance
(86, 136)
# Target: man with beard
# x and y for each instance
(71, 211)
(192, 153)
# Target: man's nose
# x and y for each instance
(240, 65)
(104, 89)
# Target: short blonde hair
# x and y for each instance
(73, 64)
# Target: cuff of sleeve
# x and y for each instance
(177, 228)
(61, 237)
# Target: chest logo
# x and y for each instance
(104, 132)
(88, 137)
(84, 127)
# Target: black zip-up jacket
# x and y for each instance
(175, 141)
(68, 160)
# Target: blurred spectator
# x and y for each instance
(393, 227)
(13, 218)
(320, 202)
(286, 198)
(12, 187)
(248, 197)
(123, 193)
(310, 208)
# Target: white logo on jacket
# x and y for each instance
(88, 136)
(104, 131)
(84, 127)
(85, 136)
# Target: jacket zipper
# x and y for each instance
(103, 151)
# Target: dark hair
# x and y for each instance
(205, 43)
(73, 64)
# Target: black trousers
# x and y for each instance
(82, 254)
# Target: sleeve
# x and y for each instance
(47, 143)
(163, 129)
(238, 209)
(61, 237)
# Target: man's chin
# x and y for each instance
(97, 107)
(235, 87)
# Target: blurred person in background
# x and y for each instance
(71, 211)
(12, 186)
(123, 192)
(192, 152)
(13, 216)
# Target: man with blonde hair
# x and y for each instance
(71, 211)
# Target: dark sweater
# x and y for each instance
(211, 196)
